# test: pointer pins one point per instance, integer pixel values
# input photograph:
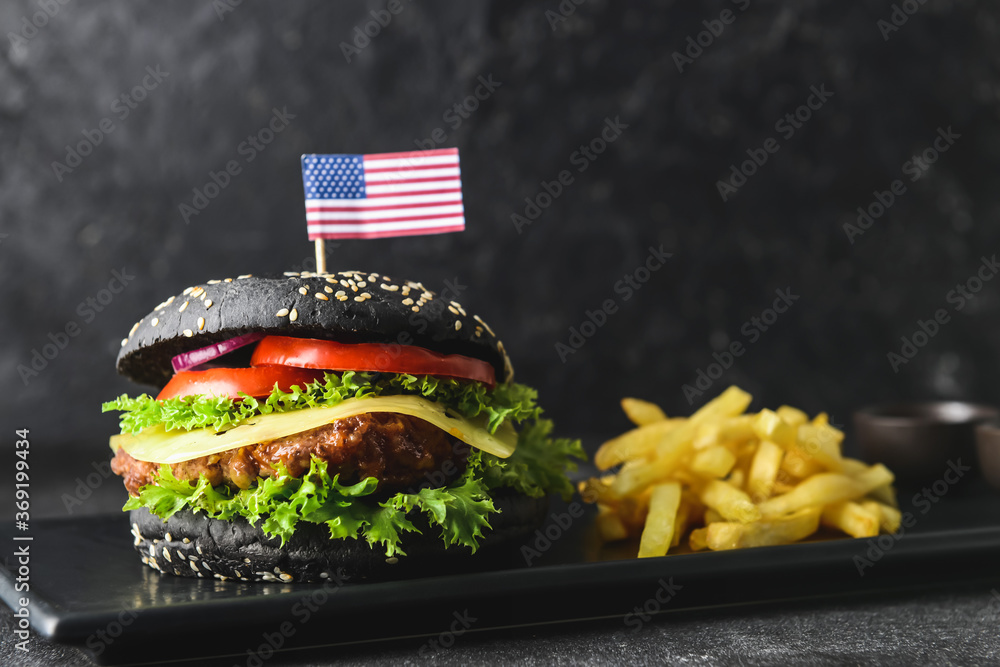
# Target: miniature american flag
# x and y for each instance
(385, 194)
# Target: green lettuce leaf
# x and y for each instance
(460, 510)
(538, 466)
(504, 402)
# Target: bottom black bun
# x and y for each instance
(194, 545)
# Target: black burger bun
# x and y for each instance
(191, 544)
(347, 306)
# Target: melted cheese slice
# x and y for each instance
(157, 445)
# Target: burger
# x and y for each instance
(311, 424)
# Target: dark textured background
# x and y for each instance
(654, 185)
(60, 241)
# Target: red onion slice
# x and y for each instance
(188, 360)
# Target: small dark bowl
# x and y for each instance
(918, 440)
(988, 449)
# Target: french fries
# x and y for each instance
(726, 479)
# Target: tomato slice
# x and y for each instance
(313, 353)
(230, 382)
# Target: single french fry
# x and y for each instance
(661, 520)
(851, 518)
(729, 501)
(826, 489)
(792, 416)
(783, 530)
(698, 541)
(769, 426)
(889, 517)
(598, 490)
(642, 412)
(821, 443)
(797, 464)
(713, 462)
(764, 470)
(609, 524)
(635, 444)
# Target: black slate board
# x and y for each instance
(86, 579)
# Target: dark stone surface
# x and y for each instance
(62, 240)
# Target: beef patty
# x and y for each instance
(398, 450)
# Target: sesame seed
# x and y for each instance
(246, 560)
(188, 333)
(187, 541)
(303, 291)
(458, 325)
(331, 279)
(134, 327)
(342, 298)
(291, 273)
(389, 288)
(453, 310)
(415, 309)
(340, 293)
(208, 303)
(228, 280)
(183, 307)
(169, 301)
(286, 577)
(187, 291)
(166, 554)
(344, 283)
(362, 283)
(201, 323)
(156, 320)
(359, 298)
(245, 275)
(193, 566)
(366, 295)
(214, 282)
(407, 301)
(354, 288)
(328, 289)
(294, 315)
(197, 291)
(392, 560)
(282, 313)
(168, 537)
(198, 549)
(124, 342)
(321, 296)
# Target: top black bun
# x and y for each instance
(349, 307)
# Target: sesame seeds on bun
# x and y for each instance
(347, 307)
